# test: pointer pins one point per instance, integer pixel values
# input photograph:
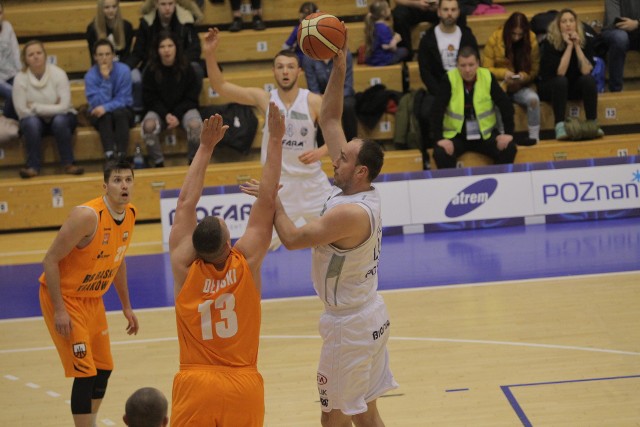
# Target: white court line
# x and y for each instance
(108, 422)
(44, 251)
(53, 394)
(32, 385)
(388, 291)
(423, 339)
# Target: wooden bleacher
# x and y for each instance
(246, 57)
(30, 205)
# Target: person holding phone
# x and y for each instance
(621, 33)
(512, 55)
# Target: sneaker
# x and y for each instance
(73, 170)
(236, 25)
(561, 133)
(28, 173)
(527, 142)
(600, 132)
(258, 23)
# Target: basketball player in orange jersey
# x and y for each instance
(217, 291)
(305, 186)
(86, 256)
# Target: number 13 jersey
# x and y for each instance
(218, 314)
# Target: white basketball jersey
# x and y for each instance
(299, 136)
(349, 278)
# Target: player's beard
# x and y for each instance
(288, 87)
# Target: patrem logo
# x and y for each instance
(471, 198)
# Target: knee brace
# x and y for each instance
(81, 393)
(100, 384)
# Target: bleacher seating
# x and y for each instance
(246, 57)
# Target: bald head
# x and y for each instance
(146, 407)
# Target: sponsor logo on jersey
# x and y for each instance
(80, 350)
(289, 130)
(125, 236)
(322, 380)
(304, 131)
(380, 332)
(471, 198)
(102, 255)
(105, 240)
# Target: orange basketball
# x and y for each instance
(321, 35)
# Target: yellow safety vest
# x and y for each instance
(482, 104)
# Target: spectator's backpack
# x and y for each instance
(242, 122)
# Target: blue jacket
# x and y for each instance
(111, 93)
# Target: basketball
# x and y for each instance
(321, 36)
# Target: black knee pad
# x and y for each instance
(100, 385)
(81, 395)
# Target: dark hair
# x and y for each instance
(112, 166)
(519, 53)
(308, 8)
(180, 64)
(467, 51)
(103, 42)
(208, 237)
(440, 2)
(371, 156)
(146, 407)
(288, 53)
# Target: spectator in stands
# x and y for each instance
(565, 69)
(107, 87)
(9, 63)
(159, 15)
(464, 116)
(512, 55)
(171, 92)
(305, 185)
(42, 99)
(381, 43)
(436, 55)
(409, 13)
(621, 33)
(306, 8)
(256, 10)
(317, 74)
(109, 24)
(146, 407)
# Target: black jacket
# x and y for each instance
(430, 61)
(182, 24)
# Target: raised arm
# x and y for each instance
(242, 95)
(185, 221)
(332, 105)
(257, 237)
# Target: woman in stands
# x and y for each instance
(565, 70)
(9, 63)
(512, 55)
(108, 24)
(42, 99)
(170, 95)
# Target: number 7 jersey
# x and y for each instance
(218, 314)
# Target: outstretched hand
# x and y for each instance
(275, 121)
(211, 40)
(213, 131)
(252, 187)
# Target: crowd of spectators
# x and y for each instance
(136, 79)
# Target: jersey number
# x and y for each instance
(120, 253)
(225, 328)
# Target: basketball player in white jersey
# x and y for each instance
(305, 187)
(346, 240)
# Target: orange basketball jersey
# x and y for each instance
(89, 272)
(218, 314)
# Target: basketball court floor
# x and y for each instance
(515, 326)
